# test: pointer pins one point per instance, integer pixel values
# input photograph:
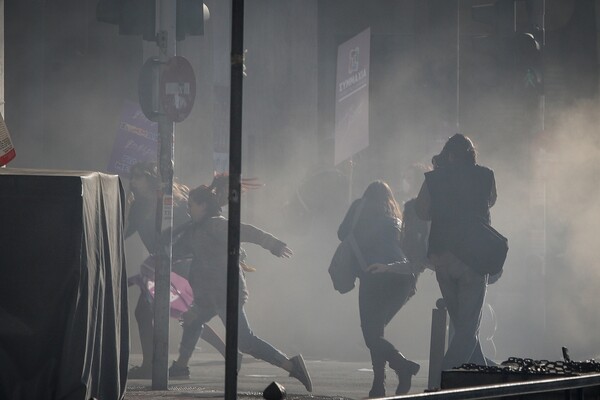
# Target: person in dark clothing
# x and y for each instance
(386, 285)
(206, 238)
(456, 190)
(141, 218)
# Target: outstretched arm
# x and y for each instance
(286, 252)
(252, 234)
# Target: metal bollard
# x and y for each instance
(437, 346)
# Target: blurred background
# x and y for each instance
(519, 77)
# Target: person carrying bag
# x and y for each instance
(370, 250)
(463, 248)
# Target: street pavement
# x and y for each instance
(331, 380)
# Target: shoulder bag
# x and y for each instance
(347, 260)
(481, 247)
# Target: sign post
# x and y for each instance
(173, 102)
(165, 39)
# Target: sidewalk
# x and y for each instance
(331, 380)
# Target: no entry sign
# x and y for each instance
(177, 88)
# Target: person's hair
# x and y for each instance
(206, 195)
(146, 169)
(462, 150)
(379, 200)
(150, 171)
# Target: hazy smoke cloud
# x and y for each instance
(548, 193)
(570, 169)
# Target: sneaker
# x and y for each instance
(300, 372)
(140, 372)
(177, 371)
(405, 374)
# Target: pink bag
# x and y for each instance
(181, 297)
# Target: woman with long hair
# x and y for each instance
(387, 283)
(206, 239)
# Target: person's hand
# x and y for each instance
(286, 252)
(379, 268)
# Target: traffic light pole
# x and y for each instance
(165, 39)
(235, 169)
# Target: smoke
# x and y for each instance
(572, 168)
(548, 193)
(548, 207)
(292, 302)
(569, 167)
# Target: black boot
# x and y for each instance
(378, 387)
(405, 370)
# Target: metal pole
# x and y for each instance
(437, 346)
(235, 169)
(457, 66)
(165, 40)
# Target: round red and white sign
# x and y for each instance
(177, 87)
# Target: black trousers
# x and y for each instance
(380, 297)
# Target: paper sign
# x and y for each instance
(352, 96)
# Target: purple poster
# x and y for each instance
(352, 96)
(136, 140)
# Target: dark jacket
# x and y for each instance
(457, 193)
(207, 241)
(378, 238)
